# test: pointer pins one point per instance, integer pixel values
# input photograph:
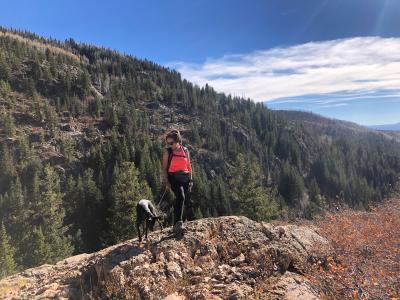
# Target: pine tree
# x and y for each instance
(35, 188)
(17, 218)
(291, 185)
(92, 209)
(126, 191)
(39, 250)
(7, 167)
(85, 83)
(5, 70)
(68, 149)
(24, 151)
(95, 107)
(7, 120)
(7, 263)
(5, 89)
(111, 115)
(221, 197)
(50, 214)
(250, 197)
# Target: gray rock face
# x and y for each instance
(217, 258)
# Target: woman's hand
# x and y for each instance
(190, 186)
(168, 186)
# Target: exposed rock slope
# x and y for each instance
(217, 258)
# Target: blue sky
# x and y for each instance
(271, 50)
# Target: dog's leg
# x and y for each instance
(138, 230)
(146, 226)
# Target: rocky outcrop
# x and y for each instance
(217, 258)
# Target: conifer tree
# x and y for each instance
(35, 188)
(17, 218)
(5, 89)
(7, 120)
(7, 167)
(7, 263)
(291, 185)
(5, 70)
(50, 214)
(250, 197)
(24, 151)
(126, 191)
(92, 211)
(39, 250)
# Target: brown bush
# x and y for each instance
(366, 260)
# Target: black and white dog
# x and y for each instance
(146, 214)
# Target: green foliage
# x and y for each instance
(86, 211)
(111, 116)
(7, 263)
(7, 167)
(5, 69)
(50, 214)
(68, 149)
(84, 84)
(8, 123)
(5, 88)
(291, 185)
(24, 151)
(126, 191)
(95, 107)
(39, 250)
(250, 197)
(50, 118)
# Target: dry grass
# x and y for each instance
(39, 46)
(366, 264)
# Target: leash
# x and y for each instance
(162, 198)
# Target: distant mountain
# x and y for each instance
(390, 127)
(309, 118)
(332, 127)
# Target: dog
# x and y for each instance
(147, 216)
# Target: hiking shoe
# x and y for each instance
(178, 227)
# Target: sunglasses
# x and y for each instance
(171, 143)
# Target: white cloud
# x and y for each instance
(349, 65)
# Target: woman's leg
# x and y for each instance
(189, 213)
(180, 191)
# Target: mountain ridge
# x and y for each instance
(81, 141)
(387, 127)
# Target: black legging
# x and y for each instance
(181, 196)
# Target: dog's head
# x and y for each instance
(151, 221)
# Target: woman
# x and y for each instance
(178, 174)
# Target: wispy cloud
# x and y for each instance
(356, 66)
(341, 97)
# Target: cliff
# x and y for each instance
(217, 258)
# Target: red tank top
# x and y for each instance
(179, 162)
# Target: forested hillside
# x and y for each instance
(81, 131)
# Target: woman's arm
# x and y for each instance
(190, 167)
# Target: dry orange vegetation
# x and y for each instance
(39, 45)
(366, 264)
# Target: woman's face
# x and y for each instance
(172, 144)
